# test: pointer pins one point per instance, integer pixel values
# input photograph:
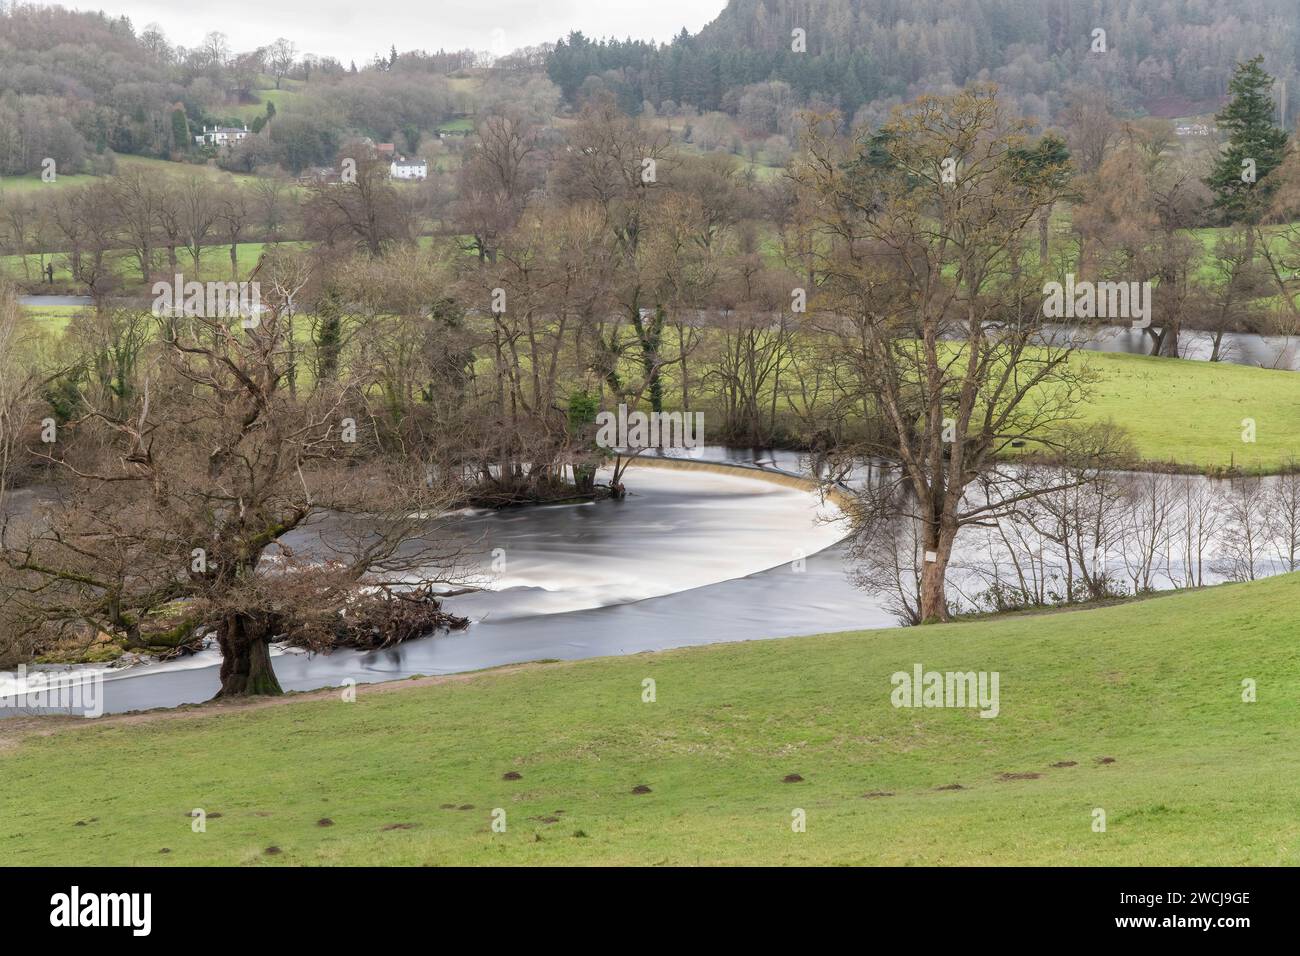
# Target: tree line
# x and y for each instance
(1167, 57)
(80, 87)
(257, 478)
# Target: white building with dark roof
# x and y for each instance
(403, 168)
(221, 135)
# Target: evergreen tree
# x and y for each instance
(181, 129)
(1241, 192)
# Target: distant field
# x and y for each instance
(53, 318)
(464, 84)
(247, 111)
(463, 124)
(183, 170)
(32, 183)
(1177, 412)
(1191, 413)
(214, 263)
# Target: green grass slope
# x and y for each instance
(1143, 700)
(1192, 413)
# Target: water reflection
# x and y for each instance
(691, 558)
(1235, 348)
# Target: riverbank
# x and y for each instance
(1151, 731)
(1214, 417)
(1193, 417)
(1183, 415)
(698, 551)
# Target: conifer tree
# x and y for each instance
(1240, 179)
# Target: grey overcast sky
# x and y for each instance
(358, 29)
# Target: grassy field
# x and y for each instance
(1191, 413)
(214, 263)
(1134, 709)
(282, 97)
(32, 182)
(53, 318)
(1182, 413)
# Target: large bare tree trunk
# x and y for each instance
(1171, 342)
(934, 572)
(246, 658)
(934, 605)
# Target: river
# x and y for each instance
(1237, 348)
(691, 557)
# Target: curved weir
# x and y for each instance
(700, 552)
(710, 546)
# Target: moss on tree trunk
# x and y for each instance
(246, 657)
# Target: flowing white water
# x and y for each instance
(690, 557)
(554, 574)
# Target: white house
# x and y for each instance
(221, 136)
(403, 168)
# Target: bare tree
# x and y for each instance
(1202, 515)
(137, 197)
(937, 341)
(1283, 510)
(18, 386)
(1148, 529)
(87, 220)
(200, 211)
(1244, 541)
(217, 504)
(275, 206)
(622, 166)
(19, 217)
(369, 209)
(1228, 299)
(280, 56)
(888, 557)
(1091, 127)
(234, 214)
(1082, 518)
(755, 337)
(496, 174)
